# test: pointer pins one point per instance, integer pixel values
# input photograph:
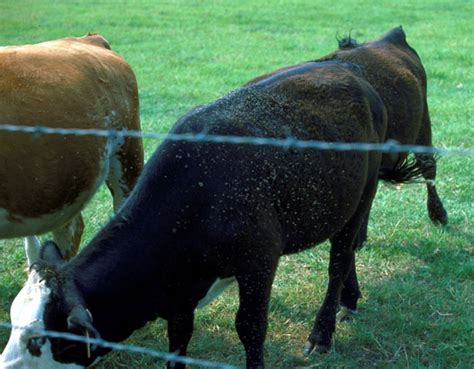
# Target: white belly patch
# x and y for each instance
(216, 289)
(34, 226)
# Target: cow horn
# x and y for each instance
(80, 319)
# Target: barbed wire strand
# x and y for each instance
(390, 146)
(122, 347)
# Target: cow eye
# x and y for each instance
(34, 345)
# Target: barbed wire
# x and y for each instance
(167, 356)
(390, 146)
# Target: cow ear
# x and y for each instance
(50, 252)
(80, 320)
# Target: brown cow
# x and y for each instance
(395, 70)
(46, 181)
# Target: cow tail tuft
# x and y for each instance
(408, 170)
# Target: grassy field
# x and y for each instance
(417, 279)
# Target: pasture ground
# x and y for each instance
(417, 279)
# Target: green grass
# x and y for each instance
(417, 279)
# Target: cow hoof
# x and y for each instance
(345, 313)
(309, 347)
(439, 217)
(437, 212)
(322, 349)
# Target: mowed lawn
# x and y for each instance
(416, 279)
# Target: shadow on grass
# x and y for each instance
(415, 312)
(455, 230)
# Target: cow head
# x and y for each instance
(43, 305)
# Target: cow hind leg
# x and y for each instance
(125, 166)
(116, 183)
(342, 273)
(341, 258)
(68, 237)
(350, 294)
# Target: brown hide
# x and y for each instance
(395, 71)
(71, 83)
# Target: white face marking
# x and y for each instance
(216, 289)
(33, 226)
(27, 311)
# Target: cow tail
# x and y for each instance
(408, 170)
